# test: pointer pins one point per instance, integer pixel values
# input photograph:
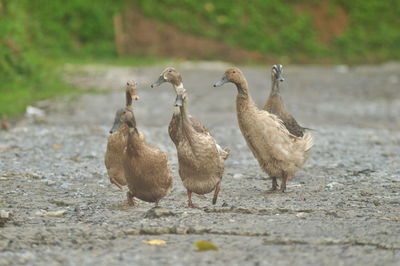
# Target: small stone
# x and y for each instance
(237, 176)
(158, 212)
(50, 182)
(5, 214)
(332, 185)
(301, 215)
(44, 213)
(65, 185)
(365, 193)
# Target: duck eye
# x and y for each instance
(170, 71)
(234, 72)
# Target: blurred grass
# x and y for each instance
(277, 28)
(38, 37)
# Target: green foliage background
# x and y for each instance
(37, 36)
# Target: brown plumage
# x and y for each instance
(275, 105)
(117, 140)
(279, 153)
(201, 159)
(146, 167)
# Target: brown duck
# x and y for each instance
(117, 140)
(279, 153)
(146, 168)
(201, 159)
(275, 105)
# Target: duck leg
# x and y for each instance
(115, 182)
(130, 199)
(274, 184)
(283, 183)
(190, 203)
(217, 189)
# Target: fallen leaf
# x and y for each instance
(155, 242)
(205, 246)
(57, 146)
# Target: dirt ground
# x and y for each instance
(342, 208)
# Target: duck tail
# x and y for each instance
(225, 153)
(309, 129)
(309, 142)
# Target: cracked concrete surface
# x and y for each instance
(342, 208)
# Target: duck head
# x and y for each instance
(277, 73)
(169, 75)
(233, 74)
(131, 90)
(123, 115)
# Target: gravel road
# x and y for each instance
(342, 208)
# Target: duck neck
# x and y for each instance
(274, 86)
(184, 112)
(243, 99)
(128, 97)
(242, 87)
(178, 87)
(124, 129)
(134, 142)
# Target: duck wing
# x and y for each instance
(293, 127)
(275, 105)
(198, 126)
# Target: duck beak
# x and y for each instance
(280, 77)
(116, 126)
(221, 82)
(160, 81)
(178, 100)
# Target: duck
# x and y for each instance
(146, 167)
(279, 153)
(117, 141)
(200, 158)
(172, 76)
(276, 106)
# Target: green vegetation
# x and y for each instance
(35, 36)
(274, 27)
(38, 37)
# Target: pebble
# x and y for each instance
(57, 213)
(237, 176)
